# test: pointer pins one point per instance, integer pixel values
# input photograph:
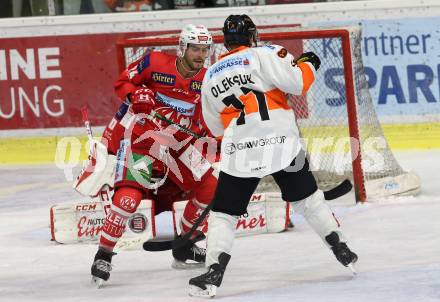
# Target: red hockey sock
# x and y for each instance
(191, 213)
(203, 194)
(125, 203)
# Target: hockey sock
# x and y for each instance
(221, 234)
(318, 215)
(192, 211)
(125, 203)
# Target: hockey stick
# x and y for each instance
(338, 191)
(85, 117)
(154, 114)
(157, 246)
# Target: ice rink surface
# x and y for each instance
(397, 240)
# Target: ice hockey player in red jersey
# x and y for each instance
(244, 100)
(156, 137)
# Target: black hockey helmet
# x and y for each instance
(239, 30)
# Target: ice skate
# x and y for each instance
(190, 255)
(342, 252)
(101, 267)
(206, 285)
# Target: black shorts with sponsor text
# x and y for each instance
(296, 182)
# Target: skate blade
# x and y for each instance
(209, 292)
(97, 282)
(352, 268)
(183, 265)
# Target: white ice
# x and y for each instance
(398, 243)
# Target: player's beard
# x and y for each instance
(192, 66)
(197, 65)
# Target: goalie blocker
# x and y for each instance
(81, 222)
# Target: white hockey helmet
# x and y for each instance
(194, 34)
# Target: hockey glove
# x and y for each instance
(142, 100)
(309, 57)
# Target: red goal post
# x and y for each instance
(337, 118)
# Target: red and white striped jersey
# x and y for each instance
(244, 100)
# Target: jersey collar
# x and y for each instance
(235, 50)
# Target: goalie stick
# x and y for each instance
(157, 246)
(85, 116)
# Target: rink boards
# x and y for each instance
(37, 148)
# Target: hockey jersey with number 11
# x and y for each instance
(244, 100)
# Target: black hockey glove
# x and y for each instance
(309, 57)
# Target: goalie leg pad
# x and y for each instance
(125, 202)
(318, 215)
(266, 213)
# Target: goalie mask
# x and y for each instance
(193, 34)
(239, 30)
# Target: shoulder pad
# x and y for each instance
(154, 58)
(144, 63)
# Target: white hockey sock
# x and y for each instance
(221, 233)
(318, 215)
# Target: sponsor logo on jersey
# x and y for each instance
(282, 53)
(120, 163)
(194, 160)
(231, 148)
(180, 90)
(122, 110)
(226, 64)
(256, 169)
(179, 106)
(171, 114)
(269, 46)
(164, 78)
(112, 124)
(195, 86)
(228, 82)
(143, 167)
(140, 120)
(143, 64)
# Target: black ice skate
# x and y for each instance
(190, 255)
(101, 267)
(341, 251)
(206, 285)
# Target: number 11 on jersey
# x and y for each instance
(250, 101)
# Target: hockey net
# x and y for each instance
(337, 118)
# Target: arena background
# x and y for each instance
(51, 66)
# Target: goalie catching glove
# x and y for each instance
(310, 57)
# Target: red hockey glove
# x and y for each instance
(142, 100)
